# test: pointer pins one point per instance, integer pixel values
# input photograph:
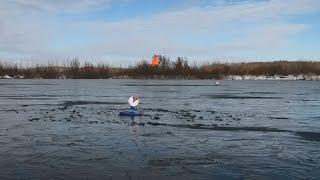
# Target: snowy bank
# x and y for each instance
(275, 77)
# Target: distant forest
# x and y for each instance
(167, 69)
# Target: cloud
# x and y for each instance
(270, 36)
(263, 26)
(55, 6)
(31, 27)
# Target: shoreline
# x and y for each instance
(300, 77)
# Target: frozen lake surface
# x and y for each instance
(70, 129)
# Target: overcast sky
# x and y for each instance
(122, 31)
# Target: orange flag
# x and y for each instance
(155, 60)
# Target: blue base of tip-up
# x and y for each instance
(130, 112)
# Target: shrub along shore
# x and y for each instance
(178, 69)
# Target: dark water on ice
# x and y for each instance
(70, 129)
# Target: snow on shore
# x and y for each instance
(9, 77)
(275, 77)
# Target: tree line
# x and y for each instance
(167, 69)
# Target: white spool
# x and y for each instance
(133, 101)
